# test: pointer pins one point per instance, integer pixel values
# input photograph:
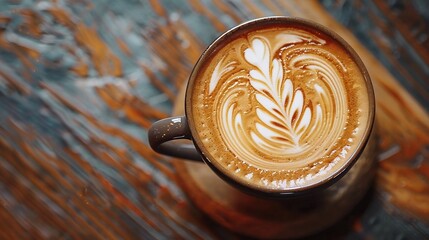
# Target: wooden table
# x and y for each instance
(81, 81)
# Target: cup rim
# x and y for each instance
(272, 20)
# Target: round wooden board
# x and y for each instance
(243, 213)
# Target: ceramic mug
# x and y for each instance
(333, 195)
(355, 170)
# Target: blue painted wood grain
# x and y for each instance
(74, 160)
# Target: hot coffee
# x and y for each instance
(279, 106)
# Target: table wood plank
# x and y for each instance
(81, 81)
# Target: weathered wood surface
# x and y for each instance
(80, 82)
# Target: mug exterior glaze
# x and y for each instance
(352, 180)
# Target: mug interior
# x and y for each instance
(249, 26)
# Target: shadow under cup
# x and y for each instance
(348, 181)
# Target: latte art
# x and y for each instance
(287, 122)
(281, 107)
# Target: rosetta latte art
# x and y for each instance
(279, 107)
(293, 104)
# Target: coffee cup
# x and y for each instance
(277, 107)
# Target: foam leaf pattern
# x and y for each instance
(283, 112)
(263, 106)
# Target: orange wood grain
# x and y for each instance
(81, 81)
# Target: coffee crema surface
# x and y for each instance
(279, 107)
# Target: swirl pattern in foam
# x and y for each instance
(280, 108)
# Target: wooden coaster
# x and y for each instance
(243, 213)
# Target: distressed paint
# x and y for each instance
(80, 82)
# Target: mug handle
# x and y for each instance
(163, 133)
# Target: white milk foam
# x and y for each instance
(280, 108)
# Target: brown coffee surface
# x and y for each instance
(279, 107)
